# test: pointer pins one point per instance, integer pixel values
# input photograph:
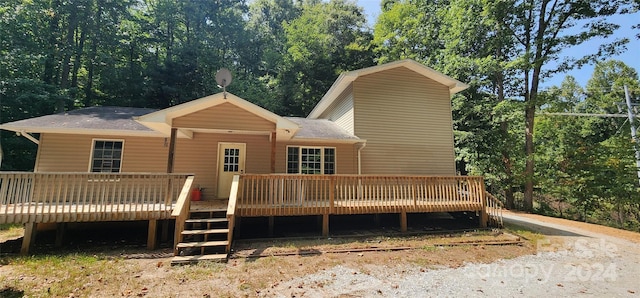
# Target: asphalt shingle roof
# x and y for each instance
(320, 129)
(121, 119)
(107, 118)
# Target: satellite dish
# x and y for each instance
(223, 78)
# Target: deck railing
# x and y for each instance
(70, 197)
(181, 211)
(494, 210)
(231, 210)
(284, 194)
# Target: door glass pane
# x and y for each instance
(231, 160)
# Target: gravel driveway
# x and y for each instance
(571, 261)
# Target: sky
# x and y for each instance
(630, 57)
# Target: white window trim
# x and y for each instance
(93, 145)
(322, 161)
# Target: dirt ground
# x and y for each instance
(135, 272)
(338, 267)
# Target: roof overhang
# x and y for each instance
(162, 120)
(82, 131)
(328, 141)
(345, 79)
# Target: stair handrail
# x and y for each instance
(181, 211)
(494, 209)
(231, 209)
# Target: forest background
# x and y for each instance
(57, 55)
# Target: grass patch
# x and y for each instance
(525, 233)
(63, 274)
(10, 231)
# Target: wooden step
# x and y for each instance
(202, 232)
(202, 244)
(206, 220)
(192, 259)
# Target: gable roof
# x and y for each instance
(91, 120)
(345, 79)
(322, 130)
(162, 120)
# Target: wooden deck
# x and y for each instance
(33, 198)
(68, 212)
(70, 197)
(295, 195)
(287, 195)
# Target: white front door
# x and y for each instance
(231, 158)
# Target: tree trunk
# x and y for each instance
(91, 60)
(504, 129)
(78, 58)
(66, 60)
(529, 150)
(49, 62)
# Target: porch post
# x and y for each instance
(273, 152)
(172, 149)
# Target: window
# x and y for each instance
(311, 160)
(106, 156)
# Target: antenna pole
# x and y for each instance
(634, 137)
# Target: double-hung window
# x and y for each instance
(106, 156)
(311, 160)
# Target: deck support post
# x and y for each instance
(151, 234)
(164, 232)
(484, 218)
(325, 225)
(376, 219)
(61, 229)
(29, 237)
(403, 221)
(271, 224)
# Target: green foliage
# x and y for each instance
(284, 54)
(586, 165)
(327, 39)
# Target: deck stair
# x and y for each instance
(205, 237)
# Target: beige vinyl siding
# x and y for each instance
(224, 116)
(200, 157)
(341, 112)
(406, 120)
(72, 153)
(346, 156)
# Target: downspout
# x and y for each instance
(362, 145)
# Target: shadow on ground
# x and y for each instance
(349, 225)
(108, 239)
(10, 292)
